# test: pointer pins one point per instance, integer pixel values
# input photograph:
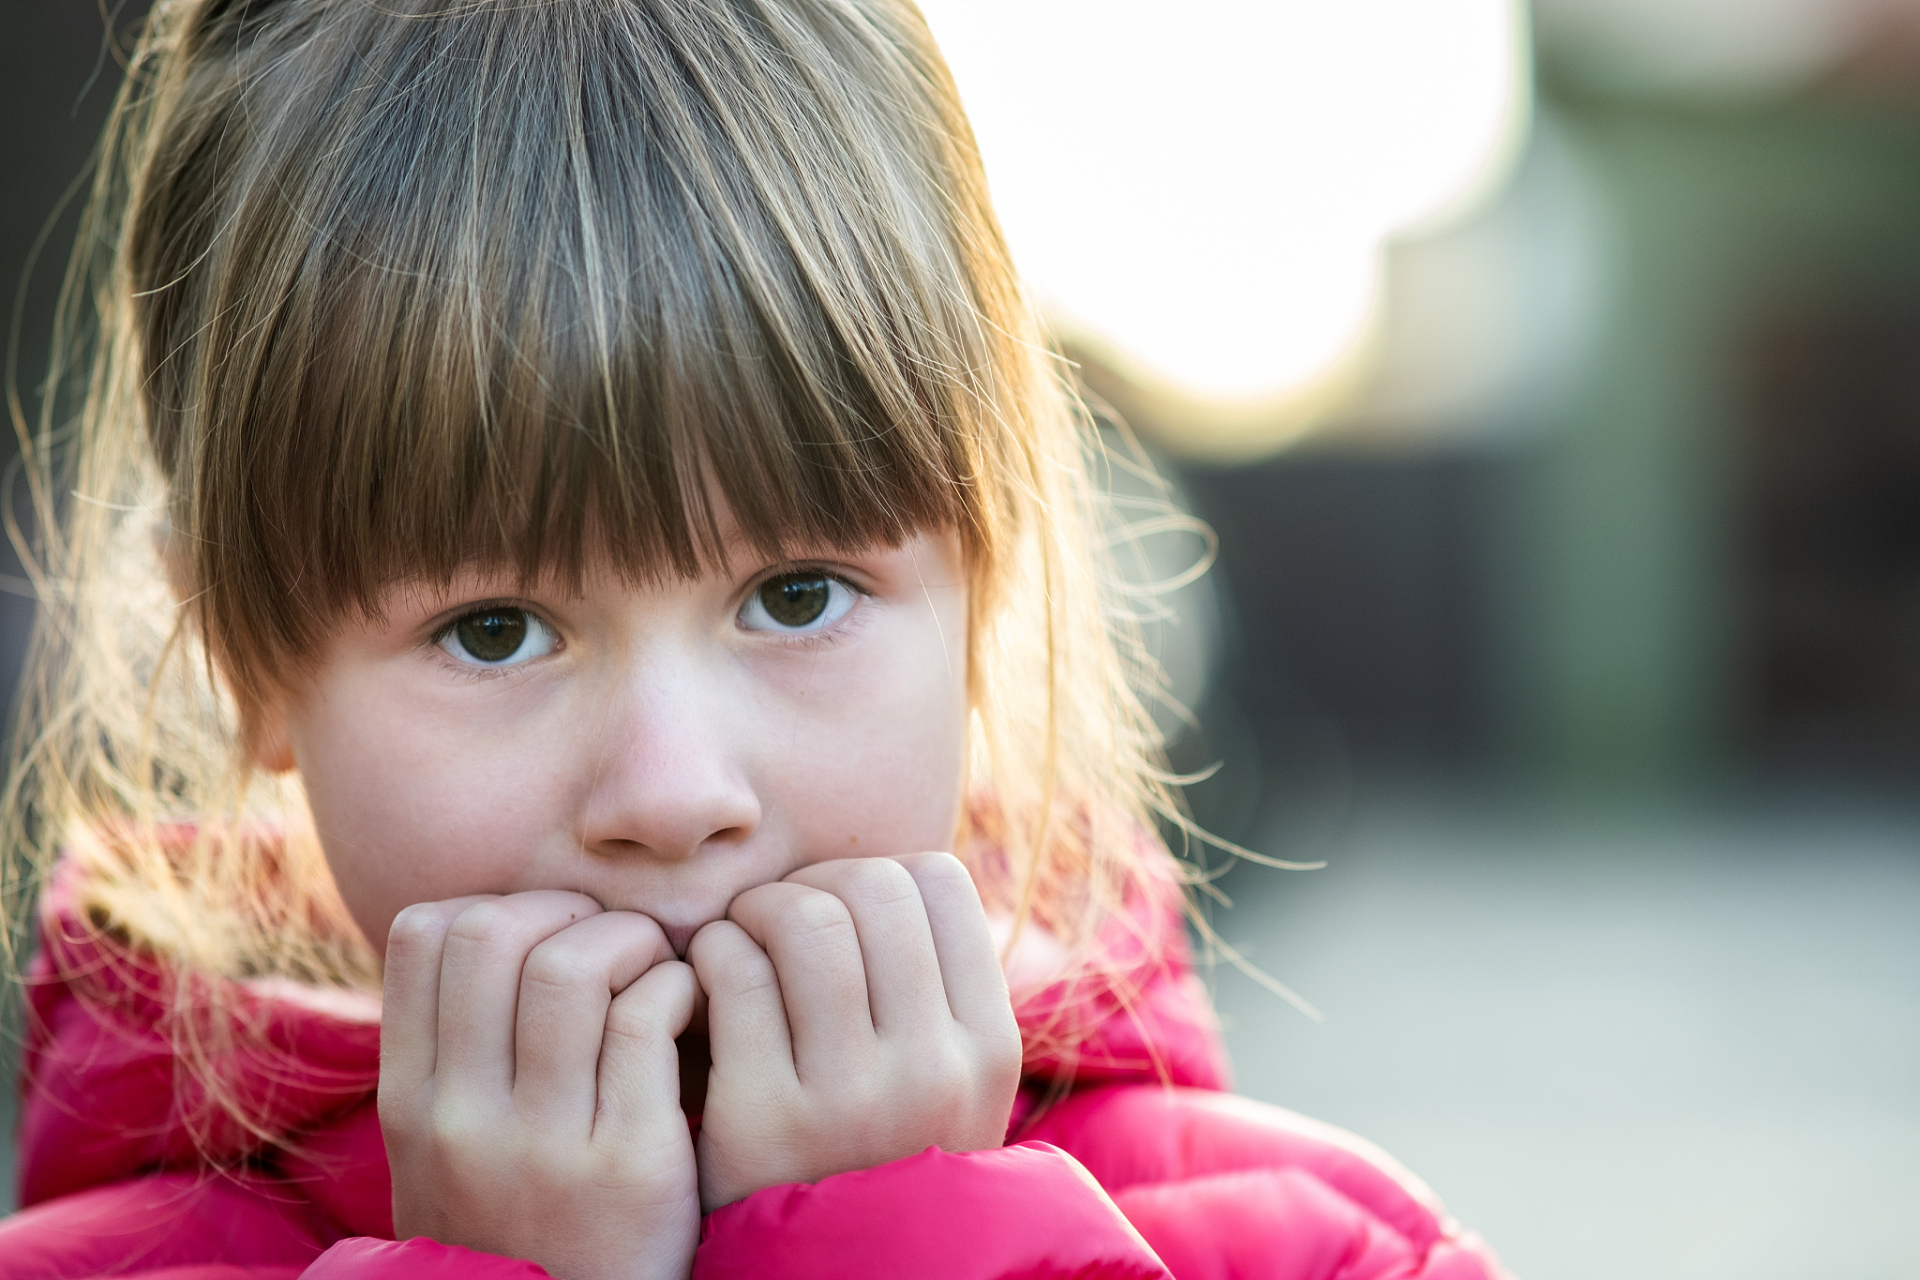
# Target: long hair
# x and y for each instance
(373, 290)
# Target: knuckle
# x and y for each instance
(451, 1127)
(970, 1063)
(1000, 1040)
(630, 1027)
(481, 925)
(941, 868)
(729, 962)
(935, 1064)
(750, 979)
(959, 1069)
(415, 930)
(760, 897)
(558, 967)
(399, 1113)
(943, 1076)
(818, 917)
(1003, 1056)
(881, 880)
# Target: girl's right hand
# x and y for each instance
(530, 1089)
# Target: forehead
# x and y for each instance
(603, 304)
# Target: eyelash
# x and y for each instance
(824, 639)
(472, 671)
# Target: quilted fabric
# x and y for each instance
(1126, 1160)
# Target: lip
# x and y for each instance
(679, 921)
(697, 892)
(680, 936)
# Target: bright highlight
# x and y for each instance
(1205, 188)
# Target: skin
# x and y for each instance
(660, 810)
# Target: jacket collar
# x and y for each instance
(108, 1094)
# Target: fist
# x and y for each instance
(857, 1014)
(530, 1089)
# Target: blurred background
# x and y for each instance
(1551, 377)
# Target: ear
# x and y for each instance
(269, 744)
(263, 726)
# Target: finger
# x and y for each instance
(639, 1068)
(566, 987)
(410, 995)
(487, 945)
(969, 963)
(810, 937)
(902, 968)
(746, 1019)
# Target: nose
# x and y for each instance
(672, 777)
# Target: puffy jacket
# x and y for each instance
(1125, 1159)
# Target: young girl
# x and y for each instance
(570, 518)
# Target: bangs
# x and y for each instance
(535, 285)
(377, 290)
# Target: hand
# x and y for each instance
(529, 1086)
(857, 1015)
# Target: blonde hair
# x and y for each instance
(370, 290)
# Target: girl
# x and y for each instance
(570, 510)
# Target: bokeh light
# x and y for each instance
(1709, 48)
(1205, 189)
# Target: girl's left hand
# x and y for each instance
(857, 1015)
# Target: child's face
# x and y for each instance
(660, 749)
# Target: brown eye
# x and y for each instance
(794, 601)
(497, 636)
(797, 602)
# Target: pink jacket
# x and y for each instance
(1143, 1168)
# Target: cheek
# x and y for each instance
(410, 809)
(880, 773)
